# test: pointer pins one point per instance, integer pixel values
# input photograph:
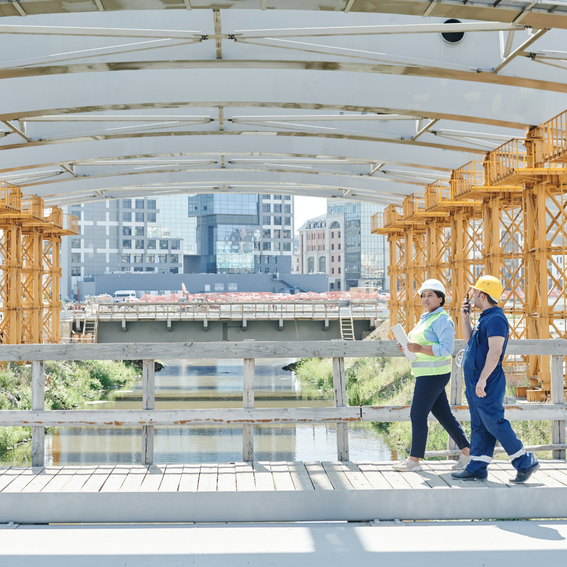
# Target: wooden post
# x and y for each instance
(455, 395)
(38, 403)
(148, 401)
(248, 402)
(339, 383)
(557, 397)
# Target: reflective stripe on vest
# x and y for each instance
(427, 365)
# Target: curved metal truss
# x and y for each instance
(114, 98)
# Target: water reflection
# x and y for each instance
(202, 384)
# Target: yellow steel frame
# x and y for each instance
(30, 272)
(507, 217)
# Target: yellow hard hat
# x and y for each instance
(489, 285)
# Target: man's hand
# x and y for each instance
(480, 386)
(464, 306)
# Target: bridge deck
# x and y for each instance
(274, 491)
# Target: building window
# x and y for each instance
(150, 269)
(139, 244)
(138, 258)
(266, 208)
(287, 198)
(139, 269)
(152, 204)
(266, 259)
(232, 287)
(339, 285)
(339, 246)
(332, 286)
(332, 258)
(75, 243)
(150, 258)
(75, 271)
(162, 258)
(287, 233)
(332, 235)
(127, 231)
(277, 208)
(139, 203)
(219, 287)
(332, 246)
(266, 245)
(277, 233)
(310, 265)
(338, 258)
(256, 246)
(286, 246)
(152, 217)
(127, 203)
(278, 197)
(266, 197)
(287, 221)
(163, 244)
(339, 270)
(152, 244)
(267, 220)
(125, 268)
(139, 231)
(127, 244)
(126, 217)
(287, 209)
(125, 258)
(332, 271)
(278, 221)
(139, 217)
(276, 246)
(339, 234)
(76, 257)
(266, 233)
(267, 270)
(323, 265)
(173, 270)
(175, 245)
(174, 259)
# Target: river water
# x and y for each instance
(213, 384)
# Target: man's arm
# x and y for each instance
(495, 345)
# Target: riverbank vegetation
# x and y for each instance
(68, 385)
(385, 381)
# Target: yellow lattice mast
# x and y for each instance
(30, 239)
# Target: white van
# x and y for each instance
(124, 295)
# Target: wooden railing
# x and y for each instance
(148, 417)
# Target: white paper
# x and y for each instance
(402, 338)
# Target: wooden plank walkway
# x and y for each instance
(275, 491)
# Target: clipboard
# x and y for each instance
(402, 338)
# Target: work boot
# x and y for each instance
(523, 476)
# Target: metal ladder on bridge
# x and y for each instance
(90, 327)
(347, 325)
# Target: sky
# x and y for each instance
(308, 207)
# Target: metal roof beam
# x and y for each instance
(101, 32)
(519, 50)
(321, 118)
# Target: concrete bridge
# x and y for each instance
(212, 321)
(267, 491)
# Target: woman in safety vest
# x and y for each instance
(433, 341)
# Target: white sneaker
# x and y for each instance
(407, 465)
(462, 463)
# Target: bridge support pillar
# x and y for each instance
(326, 325)
(280, 325)
(248, 402)
(244, 325)
(205, 325)
(124, 326)
(169, 325)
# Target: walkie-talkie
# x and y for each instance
(468, 305)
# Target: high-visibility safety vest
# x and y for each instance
(427, 365)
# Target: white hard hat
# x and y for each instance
(432, 285)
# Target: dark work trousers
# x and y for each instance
(429, 396)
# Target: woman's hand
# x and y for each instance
(400, 347)
(414, 347)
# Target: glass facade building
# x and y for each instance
(365, 254)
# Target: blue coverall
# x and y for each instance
(488, 424)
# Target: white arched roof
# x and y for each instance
(359, 100)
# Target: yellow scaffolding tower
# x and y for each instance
(30, 241)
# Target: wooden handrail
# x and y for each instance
(248, 416)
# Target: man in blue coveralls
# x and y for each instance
(486, 384)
